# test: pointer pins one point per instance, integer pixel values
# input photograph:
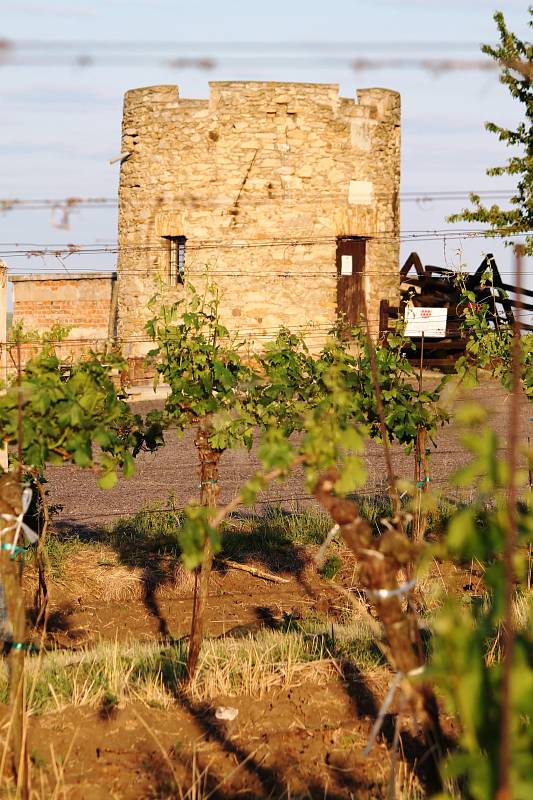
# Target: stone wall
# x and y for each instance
(261, 179)
(85, 302)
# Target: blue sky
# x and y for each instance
(61, 124)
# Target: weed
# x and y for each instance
(276, 531)
(152, 529)
(374, 508)
(58, 550)
(348, 741)
(37, 759)
(331, 567)
(109, 705)
(177, 747)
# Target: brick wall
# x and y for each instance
(81, 301)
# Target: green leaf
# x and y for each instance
(128, 466)
(462, 533)
(251, 488)
(353, 475)
(108, 480)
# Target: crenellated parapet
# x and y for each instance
(259, 180)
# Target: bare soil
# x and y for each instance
(302, 742)
(84, 612)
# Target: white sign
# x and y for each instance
(361, 193)
(346, 265)
(427, 321)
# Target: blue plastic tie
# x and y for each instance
(13, 550)
(28, 646)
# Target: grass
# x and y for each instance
(155, 530)
(331, 567)
(107, 676)
(59, 549)
(150, 538)
(276, 531)
(141, 553)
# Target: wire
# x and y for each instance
(421, 235)
(117, 341)
(43, 273)
(207, 56)
(108, 245)
(429, 64)
(127, 513)
(178, 509)
(275, 45)
(72, 203)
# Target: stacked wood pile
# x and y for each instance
(437, 287)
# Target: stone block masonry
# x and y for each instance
(262, 179)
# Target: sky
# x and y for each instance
(60, 122)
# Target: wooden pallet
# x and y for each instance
(437, 287)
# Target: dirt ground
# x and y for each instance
(305, 741)
(110, 602)
(302, 742)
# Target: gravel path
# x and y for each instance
(172, 471)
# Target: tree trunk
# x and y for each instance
(380, 560)
(14, 645)
(209, 491)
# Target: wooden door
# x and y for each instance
(350, 270)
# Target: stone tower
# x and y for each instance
(285, 192)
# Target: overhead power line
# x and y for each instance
(436, 66)
(62, 252)
(213, 274)
(255, 46)
(208, 56)
(71, 203)
(305, 238)
(61, 208)
(154, 247)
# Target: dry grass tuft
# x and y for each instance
(110, 674)
(98, 572)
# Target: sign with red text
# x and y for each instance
(425, 321)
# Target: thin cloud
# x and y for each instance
(490, 5)
(142, 3)
(45, 10)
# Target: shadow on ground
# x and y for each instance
(148, 541)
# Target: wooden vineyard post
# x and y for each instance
(422, 479)
(3, 349)
(14, 645)
(511, 541)
(384, 307)
(41, 592)
(209, 491)
(421, 463)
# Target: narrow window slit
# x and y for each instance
(176, 272)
